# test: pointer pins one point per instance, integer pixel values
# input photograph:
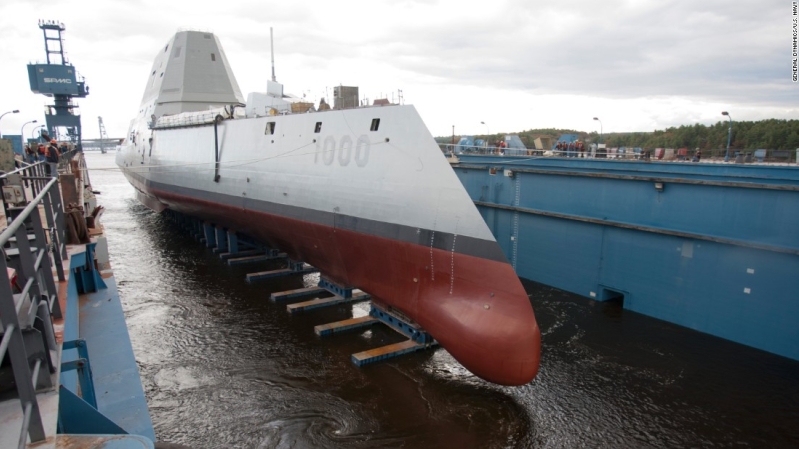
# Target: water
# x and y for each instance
(223, 367)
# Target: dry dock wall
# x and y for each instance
(708, 246)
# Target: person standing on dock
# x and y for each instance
(697, 156)
(52, 154)
(30, 154)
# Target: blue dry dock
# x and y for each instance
(713, 247)
(70, 377)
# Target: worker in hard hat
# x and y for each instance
(52, 155)
(30, 154)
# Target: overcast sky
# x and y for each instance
(637, 65)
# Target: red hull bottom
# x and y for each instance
(476, 308)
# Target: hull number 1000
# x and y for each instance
(344, 152)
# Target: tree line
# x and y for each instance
(770, 134)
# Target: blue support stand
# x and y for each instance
(325, 302)
(324, 330)
(417, 340)
(79, 414)
(297, 293)
(87, 278)
(340, 293)
(221, 240)
(84, 369)
(401, 325)
(294, 268)
(344, 292)
(76, 416)
(210, 235)
(232, 242)
(258, 256)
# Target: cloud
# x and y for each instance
(513, 63)
(617, 50)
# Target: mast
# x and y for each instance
(272, 45)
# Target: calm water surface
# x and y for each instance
(223, 367)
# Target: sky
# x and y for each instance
(482, 67)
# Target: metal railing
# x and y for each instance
(626, 153)
(29, 299)
(455, 149)
(487, 150)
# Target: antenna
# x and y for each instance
(272, 44)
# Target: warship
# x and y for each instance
(362, 193)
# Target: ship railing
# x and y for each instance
(624, 153)
(289, 108)
(456, 149)
(275, 109)
(42, 169)
(34, 176)
(28, 292)
(586, 153)
(609, 153)
(184, 121)
(195, 118)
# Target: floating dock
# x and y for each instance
(713, 247)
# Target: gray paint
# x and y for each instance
(173, 81)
